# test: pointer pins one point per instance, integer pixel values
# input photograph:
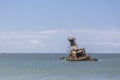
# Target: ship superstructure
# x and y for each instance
(77, 54)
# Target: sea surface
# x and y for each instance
(47, 66)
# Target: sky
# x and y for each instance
(43, 26)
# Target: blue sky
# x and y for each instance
(45, 25)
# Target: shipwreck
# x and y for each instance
(78, 54)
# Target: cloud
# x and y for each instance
(55, 40)
(112, 44)
(49, 32)
(35, 42)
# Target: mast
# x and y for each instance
(73, 45)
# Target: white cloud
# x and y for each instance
(49, 31)
(112, 44)
(35, 42)
(56, 40)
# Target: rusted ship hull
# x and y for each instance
(84, 58)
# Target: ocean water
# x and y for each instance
(47, 66)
